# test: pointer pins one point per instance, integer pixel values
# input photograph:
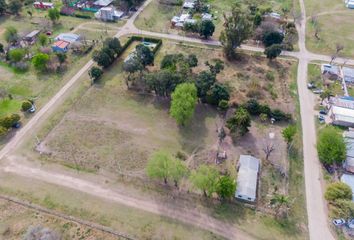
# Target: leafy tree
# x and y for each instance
(11, 35)
(240, 122)
(226, 187)
(144, 54)
(238, 28)
(163, 82)
(170, 61)
(114, 44)
(205, 178)
(131, 66)
(54, 15)
(3, 7)
(280, 202)
(40, 61)
(159, 166)
(273, 51)
(204, 81)
(274, 37)
(17, 54)
(26, 105)
(325, 94)
(257, 19)
(9, 120)
(15, 6)
(338, 190)
(289, 133)
(178, 171)
(95, 73)
(343, 208)
(43, 39)
(190, 27)
(184, 99)
(192, 60)
(3, 131)
(103, 58)
(217, 93)
(215, 68)
(330, 146)
(206, 28)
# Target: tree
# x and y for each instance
(114, 44)
(103, 58)
(217, 93)
(191, 27)
(131, 66)
(238, 28)
(184, 99)
(226, 187)
(273, 51)
(17, 54)
(240, 122)
(40, 61)
(15, 6)
(54, 15)
(289, 133)
(257, 19)
(343, 208)
(204, 81)
(206, 28)
(26, 105)
(274, 37)
(325, 94)
(338, 190)
(178, 171)
(11, 35)
(3, 131)
(43, 39)
(9, 120)
(330, 146)
(3, 7)
(169, 61)
(61, 57)
(95, 73)
(163, 82)
(215, 68)
(192, 60)
(144, 55)
(159, 166)
(1, 48)
(205, 178)
(280, 202)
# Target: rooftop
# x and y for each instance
(61, 44)
(247, 177)
(349, 180)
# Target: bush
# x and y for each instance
(270, 76)
(26, 105)
(22, 66)
(8, 121)
(343, 208)
(80, 15)
(223, 105)
(3, 131)
(17, 54)
(338, 190)
(279, 115)
(330, 146)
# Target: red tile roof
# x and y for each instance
(61, 44)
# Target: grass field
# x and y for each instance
(157, 16)
(330, 13)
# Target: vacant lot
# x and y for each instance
(328, 14)
(158, 14)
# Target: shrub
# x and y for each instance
(8, 121)
(26, 105)
(338, 190)
(343, 208)
(17, 54)
(223, 105)
(40, 61)
(330, 146)
(3, 131)
(270, 76)
(279, 115)
(22, 66)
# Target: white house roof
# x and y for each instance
(103, 3)
(348, 74)
(331, 69)
(69, 37)
(247, 176)
(349, 180)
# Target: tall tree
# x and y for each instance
(159, 166)
(132, 66)
(11, 35)
(95, 73)
(178, 171)
(144, 54)
(226, 187)
(3, 7)
(184, 99)
(114, 44)
(54, 15)
(240, 122)
(205, 178)
(273, 51)
(237, 28)
(217, 93)
(15, 6)
(206, 28)
(330, 146)
(204, 81)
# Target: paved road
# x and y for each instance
(316, 206)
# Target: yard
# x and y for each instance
(112, 132)
(157, 15)
(330, 13)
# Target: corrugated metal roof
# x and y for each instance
(247, 176)
(349, 180)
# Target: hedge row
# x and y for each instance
(147, 39)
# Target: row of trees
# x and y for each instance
(108, 53)
(163, 166)
(205, 28)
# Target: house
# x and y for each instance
(32, 36)
(108, 14)
(330, 71)
(179, 21)
(342, 111)
(60, 46)
(348, 164)
(348, 74)
(102, 3)
(68, 37)
(189, 4)
(43, 5)
(349, 180)
(247, 178)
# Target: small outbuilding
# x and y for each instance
(32, 36)
(247, 178)
(349, 180)
(68, 37)
(342, 111)
(43, 5)
(102, 3)
(61, 46)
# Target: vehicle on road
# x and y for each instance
(317, 91)
(32, 109)
(16, 125)
(321, 119)
(311, 86)
(338, 222)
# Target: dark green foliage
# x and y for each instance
(95, 74)
(114, 44)
(190, 27)
(26, 105)
(192, 60)
(279, 115)
(206, 28)
(217, 67)
(170, 61)
(217, 93)
(15, 6)
(240, 122)
(204, 81)
(330, 146)
(3, 7)
(1, 48)
(163, 82)
(8, 121)
(144, 55)
(273, 51)
(270, 38)
(257, 19)
(11, 35)
(226, 187)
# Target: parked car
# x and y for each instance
(338, 222)
(16, 125)
(317, 91)
(32, 109)
(351, 223)
(311, 86)
(321, 119)
(329, 168)
(323, 111)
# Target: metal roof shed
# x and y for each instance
(247, 178)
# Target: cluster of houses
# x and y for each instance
(187, 17)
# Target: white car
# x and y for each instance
(32, 109)
(339, 222)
